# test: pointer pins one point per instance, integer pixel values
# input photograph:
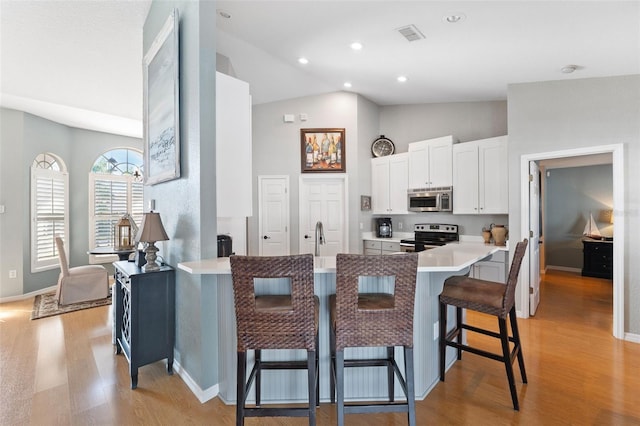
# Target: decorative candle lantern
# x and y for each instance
(123, 234)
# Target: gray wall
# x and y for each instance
(557, 115)
(571, 195)
(23, 137)
(187, 205)
(276, 148)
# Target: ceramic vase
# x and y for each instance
(486, 235)
(499, 234)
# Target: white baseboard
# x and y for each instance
(203, 395)
(632, 337)
(28, 295)
(564, 268)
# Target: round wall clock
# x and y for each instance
(382, 147)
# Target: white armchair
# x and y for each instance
(80, 283)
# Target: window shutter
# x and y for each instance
(49, 210)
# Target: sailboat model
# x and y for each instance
(591, 229)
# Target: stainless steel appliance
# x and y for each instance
(430, 200)
(430, 235)
(383, 227)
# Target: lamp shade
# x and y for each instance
(151, 229)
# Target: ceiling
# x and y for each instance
(82, 60)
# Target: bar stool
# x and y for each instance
(491, 298)
(275, 322)
(373, 320)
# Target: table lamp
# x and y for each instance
(151, 231)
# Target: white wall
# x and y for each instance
(558, 115)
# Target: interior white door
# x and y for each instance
(323, 200)
(273, 219)
(534, 236)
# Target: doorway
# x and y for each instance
(273, 216)
(527, 216)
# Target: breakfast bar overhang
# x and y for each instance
(434, 266)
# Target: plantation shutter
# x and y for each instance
(49, 214)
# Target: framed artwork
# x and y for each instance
(365, 202)
(161, 105)
(322, 150)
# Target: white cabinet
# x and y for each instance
(492, 269)
(480, 177)
(430, 163)
(381, 247)
(233, 147)
(389, 184)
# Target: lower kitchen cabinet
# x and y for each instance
(381, 247)
(597, 259)
(493, 268)
(144, 316)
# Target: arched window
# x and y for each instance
(49, 210)
(115, 188)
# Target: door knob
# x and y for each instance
(306, 237)
(266, 238)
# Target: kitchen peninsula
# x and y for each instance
(434, 266)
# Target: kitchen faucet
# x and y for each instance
(319, 237)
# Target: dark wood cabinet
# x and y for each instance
(598, 259)
(144, 316)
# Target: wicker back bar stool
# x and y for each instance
(491, 298)
(373, 320)
(275, 322)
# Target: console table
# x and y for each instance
(598, 258)
(144, 316)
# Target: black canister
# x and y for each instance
(224, 246)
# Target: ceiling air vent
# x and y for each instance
(410, 32)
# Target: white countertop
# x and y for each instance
(450, 258)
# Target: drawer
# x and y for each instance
(371, 251)
(370, 244)
(390, 246)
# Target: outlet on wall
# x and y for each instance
(13, 273)
(436, 330)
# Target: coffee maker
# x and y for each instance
(383, 227)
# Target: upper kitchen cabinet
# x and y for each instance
(430, 163)
(389, 178)
(480, 177)
(233, 147)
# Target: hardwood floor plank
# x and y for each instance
(578, 373)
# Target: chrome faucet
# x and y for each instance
(319, 237)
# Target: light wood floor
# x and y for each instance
(62, 371)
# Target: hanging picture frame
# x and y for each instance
(322, 150)
(162, 105)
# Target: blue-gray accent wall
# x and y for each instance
(571, 195)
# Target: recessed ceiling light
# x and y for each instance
(347, 85)
(454, 18)
(356, 45)
(303, 60)
(568, 69)
(402, 79)
(224, 14)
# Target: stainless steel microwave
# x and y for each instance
(430, 199)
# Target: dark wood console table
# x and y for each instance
(144, 316)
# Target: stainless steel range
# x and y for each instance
(430, 235)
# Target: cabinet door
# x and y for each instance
(233, 147)
(440, 162)
(465, 178)
(493, 185)
(418, 165)
(398, 183)
(490, 271)
(380, 185)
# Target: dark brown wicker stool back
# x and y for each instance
(491, 298)
(373, 320)
(275, 322)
